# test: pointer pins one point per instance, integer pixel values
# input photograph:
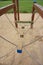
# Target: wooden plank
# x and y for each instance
(24, 22)
(3, 10)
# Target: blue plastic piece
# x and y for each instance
(19, 51)
(34, 1)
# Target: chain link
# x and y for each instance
(32, 57)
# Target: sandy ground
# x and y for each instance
(31, 44)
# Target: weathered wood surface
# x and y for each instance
(36, 49)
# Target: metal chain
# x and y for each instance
(37, 18)
(6, 54)
(11, 23)
(33, 41)
(30, 28)
(8, 41)
(16, 45)
(13, 59)
(16, 28)
(32, 57)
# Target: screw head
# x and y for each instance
(21, 36)
(23, 27)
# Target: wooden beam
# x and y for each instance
(15, 17)
(14, 10)
(3, 10)
(33, 16)
(18, 9)
(39, 9)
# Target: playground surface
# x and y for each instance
(32, 53)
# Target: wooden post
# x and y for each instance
(39, 9)
(33, 14)
(15, 17)
(18, 9)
